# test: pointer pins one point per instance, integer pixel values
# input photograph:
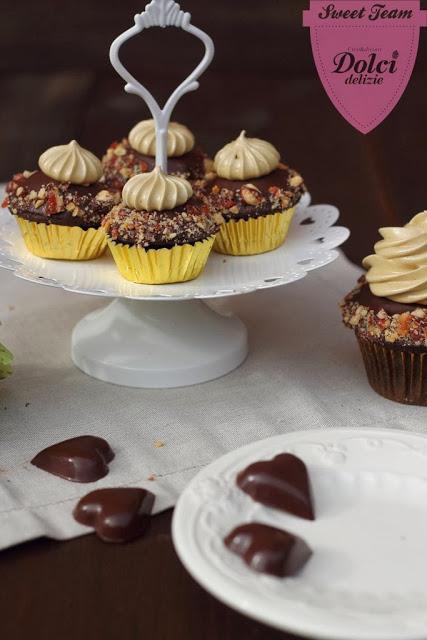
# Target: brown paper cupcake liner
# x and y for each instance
(395, 373)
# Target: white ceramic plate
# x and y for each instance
(308, 247)
(367, 578)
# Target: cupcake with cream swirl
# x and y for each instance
(161, 232)
(59, 208)
(256, 194)
(388, 312)
(137, 154)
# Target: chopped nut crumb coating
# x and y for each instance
(186, 224)
(38, 198)
(121, 162)
(239, 199)
(405, 329)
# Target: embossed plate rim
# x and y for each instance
(298, 618)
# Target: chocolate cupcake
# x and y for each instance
(59, 208)
(161, 232)
(388, 313)
(256, 194)
(137, 154)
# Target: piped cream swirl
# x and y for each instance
(156, 191)
(398, 270)
(142, 138)
(71, 163)
(246, 158)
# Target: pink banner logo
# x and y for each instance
(365, 53)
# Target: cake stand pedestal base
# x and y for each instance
(149, 344)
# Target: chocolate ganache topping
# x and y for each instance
(243, 199)
(185, 224)
(36, 197)
(364, 296)
(121, 162)
(403, 326)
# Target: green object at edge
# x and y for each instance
(5, 362)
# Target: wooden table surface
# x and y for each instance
(56, 84)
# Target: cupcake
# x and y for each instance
(255, 193)
(161, 232)
(388, 313)
(137, 154)
(59, 208)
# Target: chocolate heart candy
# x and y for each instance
(268, 550)
(81, 459)
(117, 515)
(281, 483)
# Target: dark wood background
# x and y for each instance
(55, 84)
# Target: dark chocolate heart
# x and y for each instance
(81, 459)
(117, 515)
(281, 483)
(268, 550)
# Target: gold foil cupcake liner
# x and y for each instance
(253, 236)
(161, 266)
(59, 242)
(396, 374)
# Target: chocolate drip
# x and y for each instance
(117, 515)
(268, 550)
(81, 459)
(281, 483)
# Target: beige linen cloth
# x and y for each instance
(304, 371)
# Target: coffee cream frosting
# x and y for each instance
(71, 163)
(142, 138)
(156, 191)
(246, 158)
(398, 270)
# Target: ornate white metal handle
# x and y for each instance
(162, 13)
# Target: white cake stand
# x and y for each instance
(160, 336)
(135, 340)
